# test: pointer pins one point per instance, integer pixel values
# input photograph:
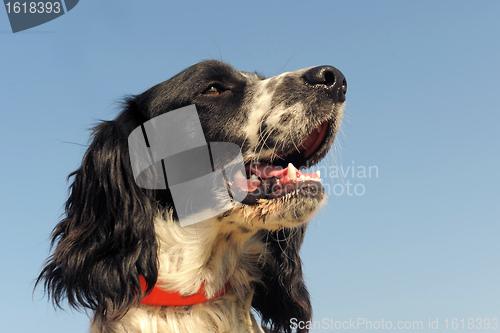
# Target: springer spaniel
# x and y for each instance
(120, 251)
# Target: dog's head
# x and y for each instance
(282, 124)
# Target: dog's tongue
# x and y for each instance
(269, 171)
(285, 176)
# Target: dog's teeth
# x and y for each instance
(292, 172)
(318, 173)
(254, 177)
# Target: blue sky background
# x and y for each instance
(423, 108)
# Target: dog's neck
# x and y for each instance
(214, 253)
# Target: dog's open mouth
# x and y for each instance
(264, 180)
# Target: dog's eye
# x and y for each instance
(213, 90)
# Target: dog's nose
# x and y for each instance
(329, 77)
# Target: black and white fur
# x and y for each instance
(113, 231)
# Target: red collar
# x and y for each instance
(160, 297)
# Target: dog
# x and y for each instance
(117, 243)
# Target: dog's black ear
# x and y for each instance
(106, 240)
(283, 294)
